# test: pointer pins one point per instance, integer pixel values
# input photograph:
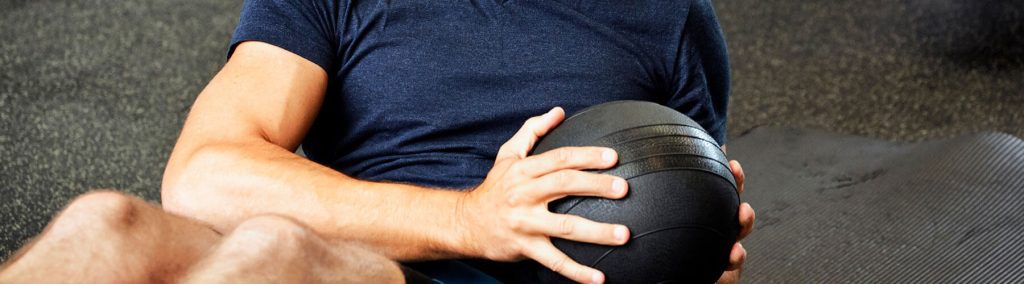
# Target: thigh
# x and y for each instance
(111, 237)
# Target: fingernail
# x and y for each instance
(619, 186)
(596, 278)
(608, 155)
(621, 233)
(551, 112)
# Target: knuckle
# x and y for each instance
(566, 226)
(562, 156)
(516, 249)
(514, 223)
(561, 179)
(517, 169)
(559, 265)
(514, 198)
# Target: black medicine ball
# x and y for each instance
(682, 204)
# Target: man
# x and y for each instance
(405, 111)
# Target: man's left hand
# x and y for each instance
(746, 214)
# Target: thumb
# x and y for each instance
(536, 127)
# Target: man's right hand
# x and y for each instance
(506, 218)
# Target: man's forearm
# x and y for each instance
(226, 183)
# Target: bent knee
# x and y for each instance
(98, 210)
(270, 234)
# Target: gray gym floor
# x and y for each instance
(93, 93)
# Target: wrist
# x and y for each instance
(446, 225)
(459, 238)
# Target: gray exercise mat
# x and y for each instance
(846, 209)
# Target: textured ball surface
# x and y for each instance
(682, 205)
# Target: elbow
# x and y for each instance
(194, 186)
(184, 186)
(175, 198)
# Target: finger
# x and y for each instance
(546, 254)
(747, 218)
(737, 172)
(520, 144)
(569, 182)
(577, 158)
(737, 256)
(575, 228)
(729, 277)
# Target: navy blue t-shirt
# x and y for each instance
(425, 92)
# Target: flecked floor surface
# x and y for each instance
(93, 93)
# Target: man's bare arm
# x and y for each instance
(234, 159)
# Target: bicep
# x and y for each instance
(263, 92)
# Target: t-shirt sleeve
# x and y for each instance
(304, 27)
(700, 87)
